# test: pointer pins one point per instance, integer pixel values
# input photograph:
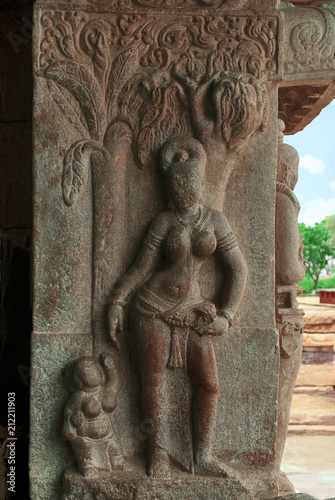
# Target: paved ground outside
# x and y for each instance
(309, 457)
(309, 462)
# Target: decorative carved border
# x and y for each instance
(313, 43)
(152, 73)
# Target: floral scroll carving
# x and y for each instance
(291, 332)
(170, 3)
(163, 3)
(313, 43)
(154, 76)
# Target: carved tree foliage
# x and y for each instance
(155, 75)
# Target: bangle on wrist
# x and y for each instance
(119, 303)
(224, 314)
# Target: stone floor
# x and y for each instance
(309, 462)
(309, 458)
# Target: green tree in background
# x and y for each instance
(317, 248)
(330, 223)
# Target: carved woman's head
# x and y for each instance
(288, 160)
(183, 161)
(85, 373)
(287, 165)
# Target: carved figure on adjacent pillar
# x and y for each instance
(290, 270)
(289, 259)
(86, 421)
(172, 322)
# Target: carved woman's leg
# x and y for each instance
(203, 374)
(153, 345)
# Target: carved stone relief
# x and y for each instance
(290, 267)
(86, 422)
(154, 5)
(173, 115)
(164, 3)
(143, 80)
(180, 93)
(152, 75)
(170, 319)
(312, 39)
(314, 44)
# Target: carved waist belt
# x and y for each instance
(181, 317)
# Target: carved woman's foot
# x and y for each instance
(89, 471)
(119, 463)
(211, 466)
(159, 467)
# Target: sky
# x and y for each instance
(316, 185)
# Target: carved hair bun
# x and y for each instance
(179, 149)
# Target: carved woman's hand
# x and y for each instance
(77, 418)
(115, 323)
(219, 326)
(108, 362)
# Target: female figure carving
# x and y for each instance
(290, 267)
(86, 421)
(172, 322)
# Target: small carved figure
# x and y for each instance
(171, 321)
(290, 267)
(86, 421)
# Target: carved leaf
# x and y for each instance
(70, 107)
(121, 70)
(75, 170)
(100, 60)
(152, 113)
(84, 87)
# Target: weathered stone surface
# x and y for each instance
(143, 488)
(308, 64)
(50, 354)
(309, 43)
(154, 6)
(298, 496)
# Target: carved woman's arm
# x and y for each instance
(234, 265)
(73, 416)
(142, 269)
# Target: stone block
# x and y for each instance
(166, 251)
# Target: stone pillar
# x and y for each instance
(155, 349)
